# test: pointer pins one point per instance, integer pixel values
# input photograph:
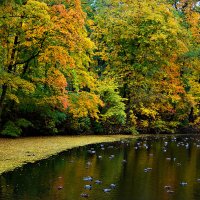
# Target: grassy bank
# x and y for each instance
(16, 152)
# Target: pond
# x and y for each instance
(151, 168)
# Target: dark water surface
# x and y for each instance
(144, 169)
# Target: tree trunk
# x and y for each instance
(191, 115)
(2, 98)
(9, 70)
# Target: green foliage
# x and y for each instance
(114, 107)
(43, 118)
(131, 130)
(10, 129)
(98, 127)
(81, 125)
(23, 123)
(165, 127)
(14, 129)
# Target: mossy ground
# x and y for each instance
(17, 152)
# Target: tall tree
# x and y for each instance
(141, 43)
(43, 44)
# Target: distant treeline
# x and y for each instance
(99, 67)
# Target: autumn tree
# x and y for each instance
(141, 43)
(121, 66)
(190, 62)
(47, 76)
(42, 47)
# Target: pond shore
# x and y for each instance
(17, 152)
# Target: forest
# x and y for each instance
(99, 67)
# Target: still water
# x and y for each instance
(152, 168)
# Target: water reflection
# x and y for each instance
(144, 169)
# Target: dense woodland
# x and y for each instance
(99, 67)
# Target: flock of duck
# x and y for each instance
(112, 186)
(98, 182)
(140, 144)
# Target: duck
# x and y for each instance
(112, 185)
(60, 187)
(106, 190)
(87, 178)
(88, 187)
(85, 195)
(98, 182)
(183, 183)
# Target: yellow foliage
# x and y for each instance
(133, 119)
(84, 104)
(13, 98)
(197, 122)
(151, 113)
(144, 123)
